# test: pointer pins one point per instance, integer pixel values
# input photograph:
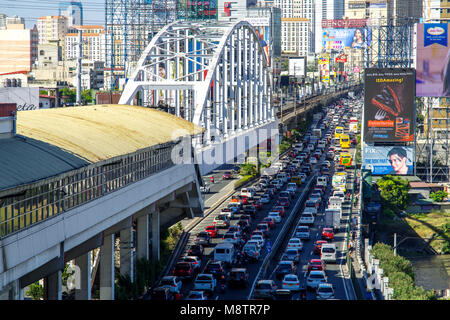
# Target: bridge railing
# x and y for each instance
(34, 203)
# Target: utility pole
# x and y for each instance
(80, 52)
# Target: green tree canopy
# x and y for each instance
(438, 196)
(394, 192)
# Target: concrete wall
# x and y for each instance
(30, 249)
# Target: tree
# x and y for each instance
(70, 94)
(438, 196)
(86, 96)
(36, 291)
(394, 192)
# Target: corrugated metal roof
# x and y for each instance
(24, 160)
(50, 142)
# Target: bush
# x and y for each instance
(388, 213)
(36, 291)
(394, 192)
(438, 196)
(247, 169)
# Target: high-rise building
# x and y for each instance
(22, 48)
(436, 11)
(93, 42)
(73, 11)
(333, 9)
(2, 21)
(52, 28)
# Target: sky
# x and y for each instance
(93, 10)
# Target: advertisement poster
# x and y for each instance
(433, 60)
(297, 67)
(339, 39)
(324, 68)
(395, 160)
(263, 33)
(389, 111)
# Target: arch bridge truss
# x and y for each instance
(213, 74)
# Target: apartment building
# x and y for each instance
(93, 42)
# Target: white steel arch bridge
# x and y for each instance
(214, 74)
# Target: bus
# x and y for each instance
(353, 125)
(339, 181)
(344, 141)
(345, 159)
(338, 131)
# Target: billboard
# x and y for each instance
(389, 110)
(433, 60)
(339, 39)
(395, 160)
(324, 67)
(344, 23)
(297, 67)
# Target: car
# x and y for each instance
(252, 250)
(291, 282)
(228, 212)
(203, 238)
(264, 227)
(306, 218)
(295, 243)
(205, 188)
(196, 295)
(231, 237)
(194, 260)
(238, 277)
(237, 229)
(172, 282)
(314, 196)
(244, 225)
(324, 291)
(227, 175)
(280, 209)
(184, 270)
(161, 293)
(205, 282)
(327, 234)
(270, 222)
(216, 268)
(196, 250)
(275, 215)
(212, 230)
(265, 289)
(285, 267)
(313, 160)
(292, 186)
(235, 207)
(249, 209)
(318, 246)
(285, 194)
(284, 202)
(222, 221)
(291, 254)
(246, 217)
(314, 278)
(259, 238)
(303, 233)
(257, 204)
(316, 264)
(265, 198)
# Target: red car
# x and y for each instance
(284, 202)
(239, 199)
(270, 222)
(327, 234)
(279, 209)
(212, 230)
(316, 264)
(318, 246)
(227, 175)
(183, 270)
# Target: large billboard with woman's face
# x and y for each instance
(433, 60)
(389, 109)
(340, 39)
(395, 160)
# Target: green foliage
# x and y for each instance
(71, 94)
(243, 181)
(125, 289)
(86, 96)
(388, 213)
(438, 196)
(248, 169)
(36, 291)
(400, 273)
(66, 274)
(394, 192)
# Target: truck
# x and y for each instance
(333, 218)
(205, 282)
(335, 203)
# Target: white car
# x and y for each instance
(314, 278)
(325, 291)
(265, 198)
(231, 237)
(312, 160)
(292, 186)
(196, 295)
(306, 218)
(258, 238)
(173, 283)
(303, 233)
(275, 215)
(291, 282)
(295, 243)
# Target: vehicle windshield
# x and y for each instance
(203, 278)
(328, 250)
(263, 286)
(326, 289)
(291, 278)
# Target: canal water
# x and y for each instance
(432, 272)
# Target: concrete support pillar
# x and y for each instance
(83, 267)
(107, 268)
(143, 243)
(155, 236)
(126, 252)
(53, 286)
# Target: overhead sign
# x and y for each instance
(395, 160)
(433, 60)
(344, 23)
(389, 109)
(297, 67)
